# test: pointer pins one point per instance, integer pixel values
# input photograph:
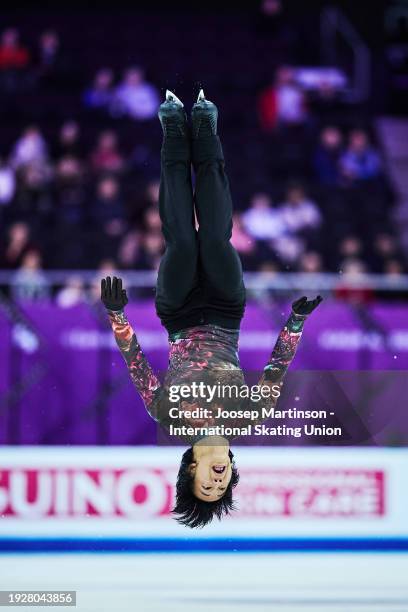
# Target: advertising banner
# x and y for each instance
(128, 493)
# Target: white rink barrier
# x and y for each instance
(118, 492)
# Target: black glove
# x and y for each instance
(304, 307)
(112, 294)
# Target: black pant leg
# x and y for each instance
(177, 287)
(221, 269)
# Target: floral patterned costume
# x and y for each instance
(197, 351)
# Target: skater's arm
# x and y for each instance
(142, 375)
(283, 351)
(286, 346)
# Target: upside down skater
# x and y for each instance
(200, 300)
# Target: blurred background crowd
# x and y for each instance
(80, 140)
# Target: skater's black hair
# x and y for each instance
(194, 512)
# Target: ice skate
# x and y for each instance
(173, 117)
(204, 117)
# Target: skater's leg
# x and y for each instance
(222, 271)
(177, 276)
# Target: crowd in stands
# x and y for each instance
(80, 190)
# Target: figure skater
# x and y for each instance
(200, 300)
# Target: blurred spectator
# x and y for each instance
(152, 192)
(327, 156)
(145, 196)
(152, 249)
(33, 198)
(29, 148)
(385, 245)
(68, 168)
(393, 267)
(17, 244)
(108, 222)
(107, 210)
(311, 262)
(99, 95)
(360, 161)
(7, 183)
(70, 190)
(349, 249)
(54, 68)
(288, 249)
(135, 97)
(352, 268)
(261, 220)
(129, 251)
(240, 239)
(106, 156)
(298, 212)
(13, 56)
(267, 225)
(384, 248)
(72, 293)
(282, 104)
(245, 244)
(69, 140)
(350, 290)
(29, 282)
(152, 221)
(48, 49)
(350, 246)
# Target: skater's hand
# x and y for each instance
(112, 294)
(304, 307)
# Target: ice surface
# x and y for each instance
(226, 582)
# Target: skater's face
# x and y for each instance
(212, 472)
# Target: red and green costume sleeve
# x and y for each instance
(279, 361)
(284, 350)
(141, 373)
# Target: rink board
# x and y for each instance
(119, 498)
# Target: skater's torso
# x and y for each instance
(204, 347)
(205, 354)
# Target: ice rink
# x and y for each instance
(226, 582)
